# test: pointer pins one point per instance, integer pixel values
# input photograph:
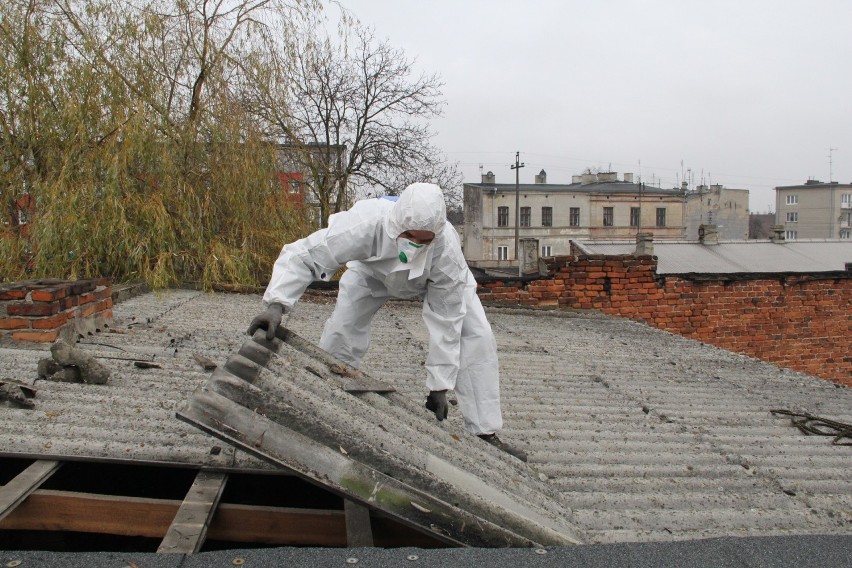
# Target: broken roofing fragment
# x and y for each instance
(70, 364)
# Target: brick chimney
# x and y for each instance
(541, 177)
(489, 178)
(778, 235)
(46, 310)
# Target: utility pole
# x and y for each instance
(517, 166)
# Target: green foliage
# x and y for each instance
(132, 176)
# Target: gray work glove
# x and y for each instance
(437, 403)
(269, 320)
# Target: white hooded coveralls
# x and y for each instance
(462, 349)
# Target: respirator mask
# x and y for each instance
(408, 250)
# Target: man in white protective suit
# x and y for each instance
(400, 249)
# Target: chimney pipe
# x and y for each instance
(708, 234)
(644, 244)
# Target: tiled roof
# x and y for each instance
(647, 436)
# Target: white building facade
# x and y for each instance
(593, 206)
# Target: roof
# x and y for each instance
(816, 184)
(642, 435)
(595, 187)
(753, 256)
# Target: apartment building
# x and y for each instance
(592, 206)
(815, 210)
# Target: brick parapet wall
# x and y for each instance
(45, 310)
(802, 322)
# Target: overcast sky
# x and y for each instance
(750, 94)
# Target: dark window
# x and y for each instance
(574, 219)
(502, 216)
(634, 216)
(525, 216)
(661, 216)
(607, 217)
(547, 216)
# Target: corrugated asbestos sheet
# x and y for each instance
(292, 404)
(737, 256)
(131, 418)
(641, 434)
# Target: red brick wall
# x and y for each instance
(801, 322)
(44, 310)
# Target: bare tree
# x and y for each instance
(354, 113)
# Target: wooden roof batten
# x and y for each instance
(290, 403)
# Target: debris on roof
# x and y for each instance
(71, 365)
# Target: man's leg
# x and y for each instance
(346, 334)
(478, 382)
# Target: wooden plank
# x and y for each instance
(13, 493)
(189, 528)
(47, 510)
(359, 531)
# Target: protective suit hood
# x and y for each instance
(420, 207)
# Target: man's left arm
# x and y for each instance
(443, 312)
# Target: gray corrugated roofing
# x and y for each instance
(680, 257)
(647, 436)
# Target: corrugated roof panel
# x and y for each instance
(738, 256)
(645, 434)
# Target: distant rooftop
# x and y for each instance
(726, 257)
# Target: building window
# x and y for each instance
(502, 216)
(846, 234)
(791, 235)
(525, 216)
(574, 218)
(661, 216)
(295, 186)
(792, 200)
(634, 216)
(607, 217)
(502, 253)
(846, 220)
(545, 250)
(793, 217)
(846, 201)
(547, 216)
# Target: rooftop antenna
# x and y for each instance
(830, 164)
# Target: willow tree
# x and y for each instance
(118, 120)
(353, 112)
